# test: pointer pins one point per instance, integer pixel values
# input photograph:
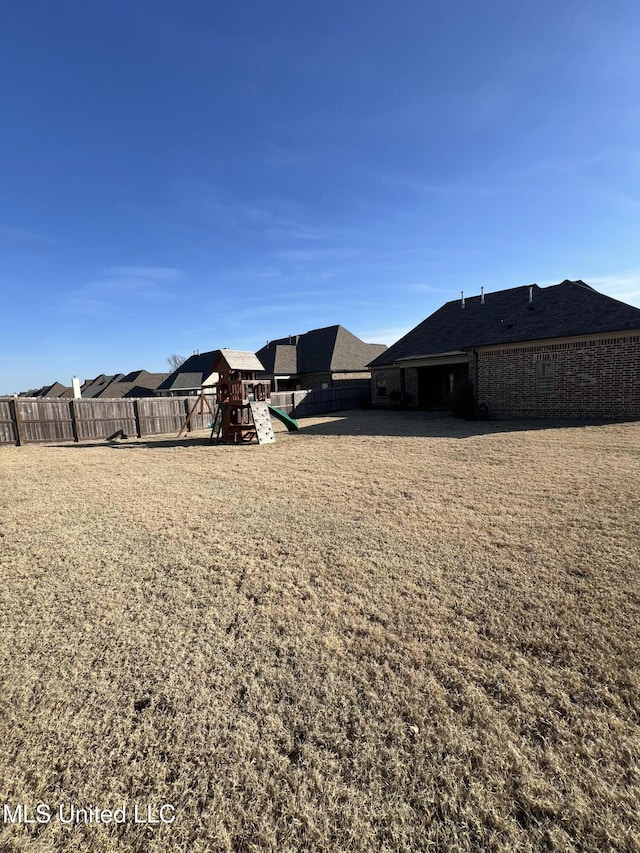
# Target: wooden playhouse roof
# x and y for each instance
(236, 359)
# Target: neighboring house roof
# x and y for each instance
(191, 374)
(241, 360)
(99, 384)
(280, 359)
(100, 379)
(332, 348)
(569, 309)
(106, 386)
(55, 390)
(139, 383)
(350, 353)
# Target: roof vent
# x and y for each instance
(482, 296)
(531, 295)
(462, 298)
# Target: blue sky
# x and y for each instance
(187, 176)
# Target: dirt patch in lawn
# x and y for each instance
(386, 632)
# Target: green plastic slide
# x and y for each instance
(290, 423)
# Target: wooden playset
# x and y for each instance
(243, 410)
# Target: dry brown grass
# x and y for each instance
(384, 633)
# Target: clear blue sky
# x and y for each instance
(191, 175)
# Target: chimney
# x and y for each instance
(531, 295)
(462, 298)
(75, 384)
(482, 296)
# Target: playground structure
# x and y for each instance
(237, 390)
(243, 410)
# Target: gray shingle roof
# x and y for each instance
(191, 373)
(100, 384)
(279, 357)
(55, 390)
(332, 348)
(569, 309)
(139, 383)
(350, 353)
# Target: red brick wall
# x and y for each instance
(597, 378)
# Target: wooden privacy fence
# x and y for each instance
(24, 420)
(320, 401)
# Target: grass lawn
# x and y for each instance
(387, 632)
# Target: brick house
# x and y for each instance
(331, 357)
(559, 351)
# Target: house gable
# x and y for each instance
(331, 349)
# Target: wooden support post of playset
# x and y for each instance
(203, 401)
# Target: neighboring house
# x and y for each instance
(56, 390)
(139, 383)
(322, 358)
(92, 388)
(193, 375)
(559, 351)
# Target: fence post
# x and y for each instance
(74, 422)
(136, 415)
(18, 421)
(187, 411)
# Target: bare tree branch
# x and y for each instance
(176, 360)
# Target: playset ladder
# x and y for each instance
(216, 426)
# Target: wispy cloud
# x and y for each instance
(298, 294)
(281, 220)
(624, 287)
(420, 287)
(22, 236)
(144, 273)
(443, 188)
(277, 308)
(549, 168)
(559, 167)
(115, 285)
(384, 335)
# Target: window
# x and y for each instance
(545, 375)
(382, 390)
